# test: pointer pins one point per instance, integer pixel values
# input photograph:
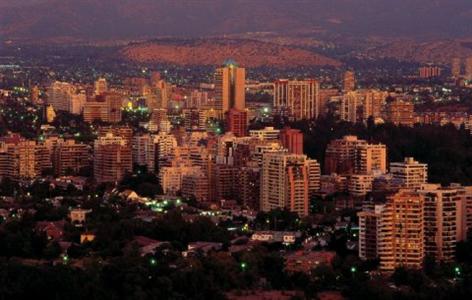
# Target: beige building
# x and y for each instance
(112, 158)
(401, 236)
(230, 88)
(411, 173)
(299, 99)
(285, 182)
(70, 157)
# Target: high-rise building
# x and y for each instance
(350, 106)
(370, 159)
(284, 182)
(349, 81)
(248, 186)
(106, 108)
(442, 207)
(195, 185)
(369, 228)
(340, 155)
(300, 99)
(360, 185)
(60, 95)
(401, 235)
(400, 112)
(314, 177)
(292, 140)
(70, 157)
(410, 173)
(236, 122)
(144, 151)
(230, 88)
(112, 158)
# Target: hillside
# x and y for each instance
(248, 53)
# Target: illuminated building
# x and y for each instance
(429, 72)
(350, 155)
(468, 68)
(236, 122)
(285, 182)
(400, 112)
(300, 99)
(349, 82)
(101, 86)
(401, 234)
(112, 158)
(230, 88)
(410, 173)
(266, 134)
(442, 223)
(70, 157)
(144, 151)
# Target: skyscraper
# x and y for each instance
(101, 86)
(230, 87)
(299, 99)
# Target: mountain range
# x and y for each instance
(142, 19)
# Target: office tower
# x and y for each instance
(144, 151)
(400, 112)
(401, 236)
(60, 95)
(370, 159)
(266, 134)
(70, 158)
(112, 158)
(236, 122)
(292, 140)
(230, 88)
(456, 67)
(284, 182)
(101, 86)
(410, 173)
(349, 81)
(468, 68)
(300, 99)
(314, 175)
(441, 227)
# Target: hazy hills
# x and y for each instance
(249, 53)
(113, 19)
